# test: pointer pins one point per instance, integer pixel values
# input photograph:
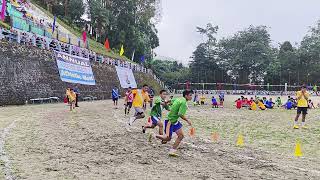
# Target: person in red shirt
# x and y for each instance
(238, 103)
(128, 101)
(250, 101)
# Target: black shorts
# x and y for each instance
(303, 110)
(129, 104)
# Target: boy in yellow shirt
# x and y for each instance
(302, 104)
(71, 95)
(140, 96)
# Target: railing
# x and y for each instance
(43, 42)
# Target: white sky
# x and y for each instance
(286, 19)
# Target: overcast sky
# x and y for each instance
(286, 19)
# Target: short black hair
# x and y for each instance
(187, 92)
(162, 91)
(145, 85)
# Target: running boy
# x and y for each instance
(128, 101)
(71, 95)
(140, 97)
(302, 104)
(178, 110)
(156, 112)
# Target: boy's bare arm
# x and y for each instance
(185, 118)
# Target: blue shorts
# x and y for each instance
(173, 128)
(155, 120)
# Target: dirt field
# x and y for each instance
(95, 142)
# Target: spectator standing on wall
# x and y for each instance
(76, 90)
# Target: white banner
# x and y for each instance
(126, 77)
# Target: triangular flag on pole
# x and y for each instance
(54, 24)
(107, 45)
(142, 59)
(84, 37)
(121, 50)
(132, 58)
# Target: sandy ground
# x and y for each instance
(95, 142)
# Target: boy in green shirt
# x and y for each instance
(156, 112)
(177, 110)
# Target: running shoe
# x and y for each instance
(295, 127)
(143, 129)
(173, 153)
(131, 120)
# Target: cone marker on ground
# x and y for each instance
(240, 141)
(297, 150)
(215, 137)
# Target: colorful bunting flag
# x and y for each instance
(121, 50)
(84, 37)
(142, 59)
(107, 45)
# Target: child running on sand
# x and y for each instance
(128, 101)
(156, 112)
(71, 95)
(177, 110)
(140, 97)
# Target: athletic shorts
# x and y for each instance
(138, 110)
(129, 104)
(115, 99)
(303, 110)
(155, 120)
(173, 128)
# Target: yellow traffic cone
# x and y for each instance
(240, 141)
(297, 150)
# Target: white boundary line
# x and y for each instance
(7, 165)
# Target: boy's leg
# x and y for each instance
(138, 115)
(299, 110)
(304, 114)
(125, 109)
(168, 132)
(179, 139)
(160, 124)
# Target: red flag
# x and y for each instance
(106, 44)
(84, 37)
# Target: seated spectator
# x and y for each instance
(269, 103)
(239, 103)
(261, 105)
(310, 104)
(214, 102)
(289, 104)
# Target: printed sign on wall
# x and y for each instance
(126, 77)
(74, 69)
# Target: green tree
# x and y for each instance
(247, 54)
